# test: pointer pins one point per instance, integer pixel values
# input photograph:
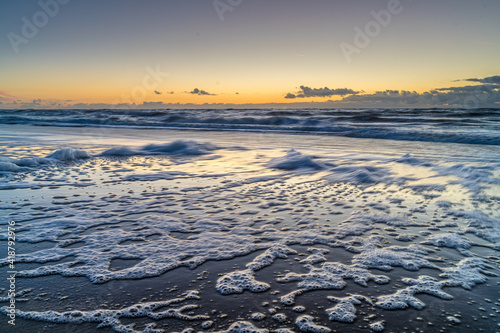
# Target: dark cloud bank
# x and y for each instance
(485, 93)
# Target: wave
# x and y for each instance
(68, 154)
(477, 126)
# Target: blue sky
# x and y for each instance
(103, 52)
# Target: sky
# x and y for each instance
(249, 53)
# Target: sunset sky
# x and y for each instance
(95, 53)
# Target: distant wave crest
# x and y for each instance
(478, 126)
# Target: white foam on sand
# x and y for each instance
(480, 224)
(306, 324)
(208, 244)
(378, 326)
(111, 318)
(269, 256)
(345, 310)
(201, 211)
(257, 316)
(17, 296)
(331, 275)
(283, 330)
(451, 240)
(466, 274)
(406, 297)
(239, 281)
(317, 256)
(411, 258)
(243, 327)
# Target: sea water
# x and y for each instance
(265, 221)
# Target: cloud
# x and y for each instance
(487, 80)
(478, 95)
(197, 91)
(387, 97)
(157, 92)
(6, 97)
(470, 89)
(320, 92)
(486, 94)
(461, 97)
(153, 105)
(38, 103)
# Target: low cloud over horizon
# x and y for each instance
(460, 97)
(487, 80)
(320, 92)
(486, 94)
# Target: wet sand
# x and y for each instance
(152, 227)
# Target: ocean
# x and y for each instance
(274, 220)
(477, 126)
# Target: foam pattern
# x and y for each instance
(411, 258)
(378, 326)
(405, 297)
(239, 281)
(310, 222)
(451, 240)
(243, 327)
(345, 310)
(331, 275)
(268, 257)
(306, 324)
(111, 318)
